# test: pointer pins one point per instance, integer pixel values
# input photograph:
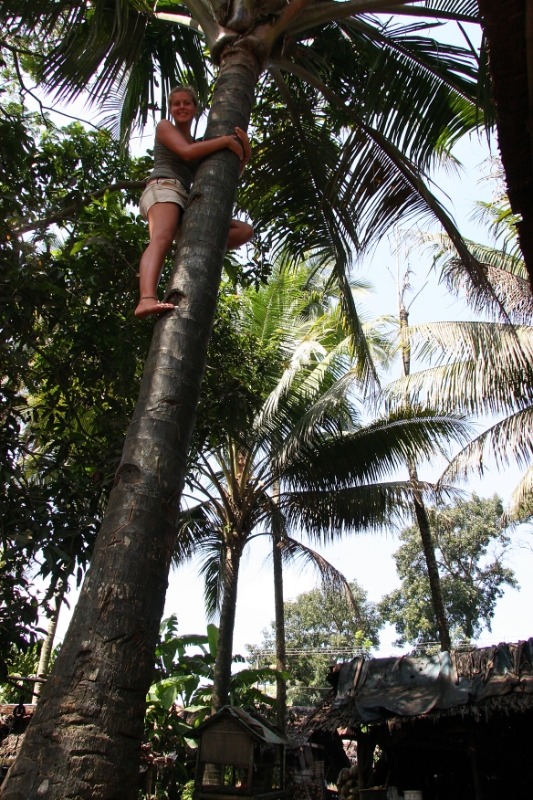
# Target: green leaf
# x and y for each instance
(212, 637)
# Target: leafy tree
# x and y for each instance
(51, 496)
(470, 546)
(321, 619)
(379, 174)
(70, 357)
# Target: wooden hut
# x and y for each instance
(239, 756)
(451, 726)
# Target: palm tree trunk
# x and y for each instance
(48, 644)
(422, 520)
(84, 741)
(224, 656)
(281, 686)
(421, 514)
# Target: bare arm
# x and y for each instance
(170, 136)
(246, 149)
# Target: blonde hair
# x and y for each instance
(191, 91)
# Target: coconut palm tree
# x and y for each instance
(482, 367)
(418, 97)
(294, 311)
(420, 510)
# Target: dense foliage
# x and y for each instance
(321, 619)
(69, 351)
(180, 699)
(470, 546)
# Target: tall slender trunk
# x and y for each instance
(279, 610)
(48, 644)
(84, 741)
(424, 527)
(421, 514)
(222, 672)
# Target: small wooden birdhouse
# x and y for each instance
(239, 756)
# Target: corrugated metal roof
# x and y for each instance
(257, 726)
(379, 689)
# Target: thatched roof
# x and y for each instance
(390, 691)
(510, 43)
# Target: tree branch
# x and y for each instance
(20, 50)
(215, 34)
(290, 14)
(65, 213)
(42, 107)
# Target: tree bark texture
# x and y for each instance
(84, 741)
(224, 656)
(281, 686)
(421, 514)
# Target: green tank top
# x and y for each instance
(169, 165)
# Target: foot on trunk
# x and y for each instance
(151, 305)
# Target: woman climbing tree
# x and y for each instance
(176, 157)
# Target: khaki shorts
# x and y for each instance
(162, 190)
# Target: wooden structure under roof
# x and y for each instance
(456, 726)
(239, 756)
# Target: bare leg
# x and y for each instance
(239, 233)
(163, 221)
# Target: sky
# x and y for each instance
(368, 558)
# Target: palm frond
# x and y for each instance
(317, 401)
(332, 233)
(421, 95)
(193, 525)
(329, 411)
(499, 217)
(212, 562)
(468, 8)
(321, 13)
(384, 171)
(505, 441)
(489, 368)
(326, 515)
(121, 50)
(520, 508)
(372, 452)
(332, 579)
(505, 273)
